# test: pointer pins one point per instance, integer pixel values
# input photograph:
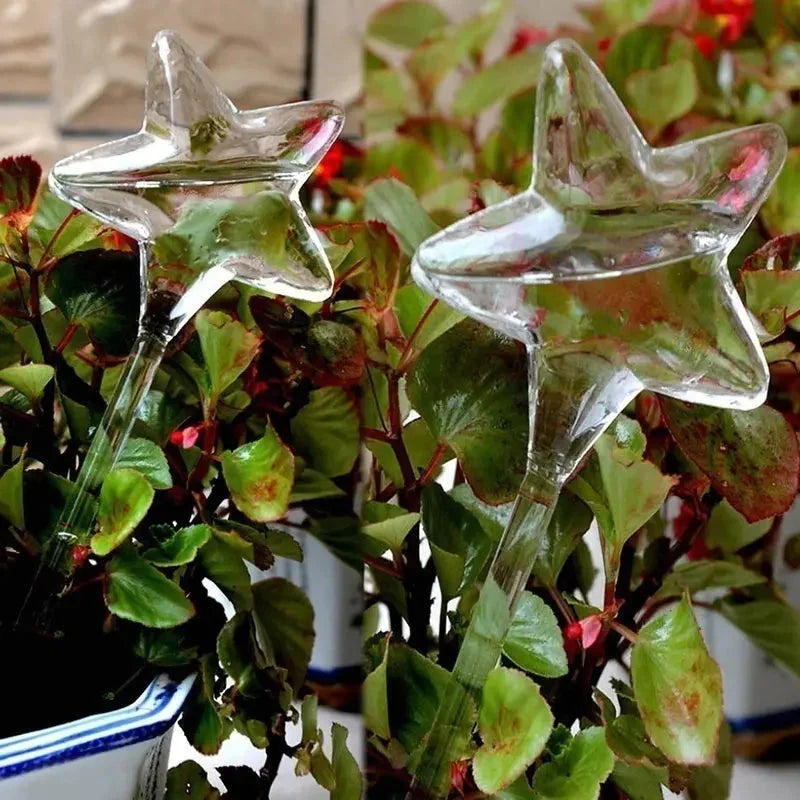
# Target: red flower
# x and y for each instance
(80, 554)
(733, 17)
(584, 631)
(705, 44)
(525, 36)
(604, 44)
(458, 775)
(185, 438)
(330, 166)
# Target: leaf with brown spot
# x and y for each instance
(124, 499)
(678, 687)
(260, 476)
(751, 457)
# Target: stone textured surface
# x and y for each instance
(256, 49)
(25, 47)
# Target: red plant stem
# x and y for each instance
(209, 442)
(382, 565)
(67, 337)
(433, 464)
(43, 264)
(405, 356)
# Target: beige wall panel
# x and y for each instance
(256, 48)
(25, 47)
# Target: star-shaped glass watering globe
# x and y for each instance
(612, 269)
(211, 195)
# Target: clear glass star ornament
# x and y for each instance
(211, 195)
(612, 269)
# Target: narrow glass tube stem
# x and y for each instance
(77, 518)
(491, 617)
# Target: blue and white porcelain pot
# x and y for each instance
(121, 755)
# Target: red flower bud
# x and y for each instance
(525, 36)
(80, 555)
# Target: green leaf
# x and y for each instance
(12, 505)
(393, 202)
(82, 232)
(514, 722)
(423, 318)
(278, 542)
(417, 688)
(326, 431)
(519, 790)
(181, 548)
(570, 521)
(260, 476)
(28, 379)
(284, 620)
(627, 737)
(188, 781)
(459, 546)
(375, 701)
(412, 161)
(228, 348)
(781, 211)
(623, 490)
(342, 536)
(755, 462)
(406, 23)
(349, 783)
(660, 96)
(641, 48)
(147, 458)
(678, 687)
(578, 770)
(226, 568)
(202, 721)
(470, 386)
(640, 783)
(137, 591)
(730, 531)
(388, 524)
(498, 81)
(770, 625)
(711, 783)
(125, 498)
(697, 576)
(215, 232)
(98, 290)
(312, 485)
(534, 642)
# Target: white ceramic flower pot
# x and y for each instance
(121, 755)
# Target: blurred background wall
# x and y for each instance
(73, 70)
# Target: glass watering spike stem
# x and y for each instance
(211, 195)
(612, 270)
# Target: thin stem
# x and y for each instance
(405, 356)
(54, 238)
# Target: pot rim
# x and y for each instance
(149, 717)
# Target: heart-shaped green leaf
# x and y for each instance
(94, 289)
(622, 488)
(678, 687)
(180, 548)
(459, 545)
(514, 722)
(388, 524)
(137, 591)
(577, 770)
(284, 621)
(228, 348)
(534, 641)
(125, 498)
(147, 458)
(326, 431)
(28, 379)
(471, 388)
(226, 568)
(755, 461)
(260, 476)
